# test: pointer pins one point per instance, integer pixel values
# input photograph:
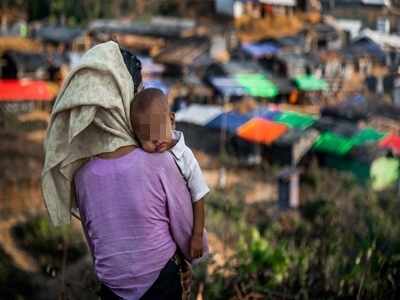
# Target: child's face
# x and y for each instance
(154, 130)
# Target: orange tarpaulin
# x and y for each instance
(261, 131)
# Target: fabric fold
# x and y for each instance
(90, 116)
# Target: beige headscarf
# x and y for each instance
(90, 116)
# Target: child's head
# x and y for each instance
(152, 120)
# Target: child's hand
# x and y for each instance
(196, 246)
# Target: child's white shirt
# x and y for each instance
(189, 167)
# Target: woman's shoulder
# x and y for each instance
(163, 159)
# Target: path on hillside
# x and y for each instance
(21, 258)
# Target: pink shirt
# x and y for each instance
(135, 210)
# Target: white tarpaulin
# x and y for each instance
(376, 2)
(384, 40)
(280, 2)
(198, 114)
(349, 25)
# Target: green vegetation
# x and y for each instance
(79, 12)
(14, 283)
(344, 244)
(50, 245)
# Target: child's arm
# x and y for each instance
(191, 171)
(196, 242)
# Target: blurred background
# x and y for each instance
(292, 108)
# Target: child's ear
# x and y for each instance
(172, 118)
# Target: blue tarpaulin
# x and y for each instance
(228, 86)
(261, 49)
(365, 45)
(229, 121)
(265, 113)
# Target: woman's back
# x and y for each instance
(124, 211)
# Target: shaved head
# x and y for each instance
(147, 100)
(151, 120)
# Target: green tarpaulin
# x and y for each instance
(385, 172)
(367, 135)
(295, 120)
(310, 83)
(333, 143)
(360, 170)
(257, 85)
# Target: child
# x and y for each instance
(153, 125)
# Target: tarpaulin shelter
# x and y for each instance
(257, 50)
(296, 120)
(365, 46)
(310, 83)
(257, 85)
(292, 41)
(392, 142)
(227, 87)
(235, 67)
(284, 85)
(229, 121)
(25, 90)
(296, 143)
(353, 109)
(332, 143)
(259, 130)
(345, 129)
(157, 26)
(360, 170)
(264, 113)
(367, 135)
(16, 63)
(325, 124)
(58, 34)
(198, 114)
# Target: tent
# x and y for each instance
(392, 142)
(264, 113)
(198, 114)
(325, 124)
(296, 120)
(332, 143)
(310, 83)
(367, 135)
(258, 50)
(58, 34)
(257, 85)
(25, 90)
(365, 46)
(227, 86)
(229, 121)
(345, 129)
(352, 109)
(259, 130)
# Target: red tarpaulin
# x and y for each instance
(25, 90)
(392, 142)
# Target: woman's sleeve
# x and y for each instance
(179, 208)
